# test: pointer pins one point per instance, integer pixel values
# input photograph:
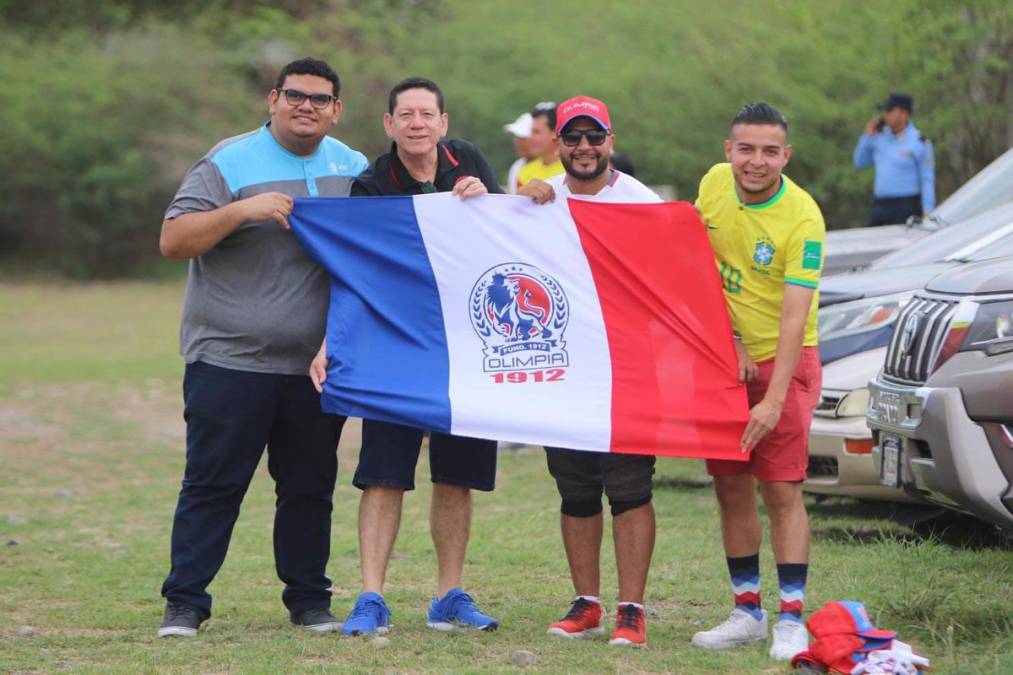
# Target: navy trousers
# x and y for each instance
(231, 415)
(893, 210)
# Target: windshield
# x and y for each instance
(940, 246)
(987, 189)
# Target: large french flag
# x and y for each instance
(575, 324)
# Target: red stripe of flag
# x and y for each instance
(675, 388)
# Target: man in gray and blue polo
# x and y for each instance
(253, 318)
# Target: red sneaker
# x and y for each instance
(583, 620)
(631, 626)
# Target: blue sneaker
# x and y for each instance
(370, 616)
(457, 611)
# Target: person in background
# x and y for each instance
(544, 144)
(621, 162)
(520, 129)
(905, 183)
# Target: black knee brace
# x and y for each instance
(577, 509)
(621, 507)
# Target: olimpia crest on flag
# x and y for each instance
(520, 313)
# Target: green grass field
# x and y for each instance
(91, 455)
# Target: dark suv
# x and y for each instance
(941, 409)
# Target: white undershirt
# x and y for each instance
(621, 188)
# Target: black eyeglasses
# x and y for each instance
(571, 138)
(295, 98)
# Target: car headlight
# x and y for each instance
(986, 327)
(992, 328)
(854, 404)
(860, 316)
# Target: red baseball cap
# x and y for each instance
(847, 616)
(582, 106)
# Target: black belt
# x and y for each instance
(890, 200)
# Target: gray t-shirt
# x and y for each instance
(255, 301)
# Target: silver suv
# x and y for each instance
(941, 409)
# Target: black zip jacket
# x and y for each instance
(456, 159)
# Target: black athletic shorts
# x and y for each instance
(583, 476)
(390, 453)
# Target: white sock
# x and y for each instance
(635, 604)
(589, 598)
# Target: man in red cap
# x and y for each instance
(586, 140)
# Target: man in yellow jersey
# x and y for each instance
(767, 234)
(544, 145)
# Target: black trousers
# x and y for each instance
(231, 416)
(894, 210)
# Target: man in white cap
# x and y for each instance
(520, 129)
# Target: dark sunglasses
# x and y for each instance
(295, 98)
(572, 137)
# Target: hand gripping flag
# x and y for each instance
(576, 324)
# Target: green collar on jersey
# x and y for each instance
(763, 205)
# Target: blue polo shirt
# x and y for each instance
(905, 165)
(255, 301)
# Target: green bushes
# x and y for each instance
(96, 136)
(101, 113)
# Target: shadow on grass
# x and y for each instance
(961, 531)
(682, 483)
(909, 524)
(863, 534)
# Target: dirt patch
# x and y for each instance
(44, 425)
(38, 632)
(62, 439)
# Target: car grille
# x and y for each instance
(822, 467)
(917, 339)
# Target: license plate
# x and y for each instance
(890, 472)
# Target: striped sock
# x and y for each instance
(745, 574)
(791, 578)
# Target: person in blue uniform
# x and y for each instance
(905, 184)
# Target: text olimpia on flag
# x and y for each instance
(575, 324)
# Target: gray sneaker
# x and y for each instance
(179, 621)
(318, 620)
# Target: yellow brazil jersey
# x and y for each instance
(536, 168)
(759, 248)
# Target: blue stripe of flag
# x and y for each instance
(385, 331)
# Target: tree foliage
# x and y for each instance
(106, 104)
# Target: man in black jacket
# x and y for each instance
(419, 162)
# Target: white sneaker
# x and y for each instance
(740, 628)
(790, 638)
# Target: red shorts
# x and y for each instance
(783, 454)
